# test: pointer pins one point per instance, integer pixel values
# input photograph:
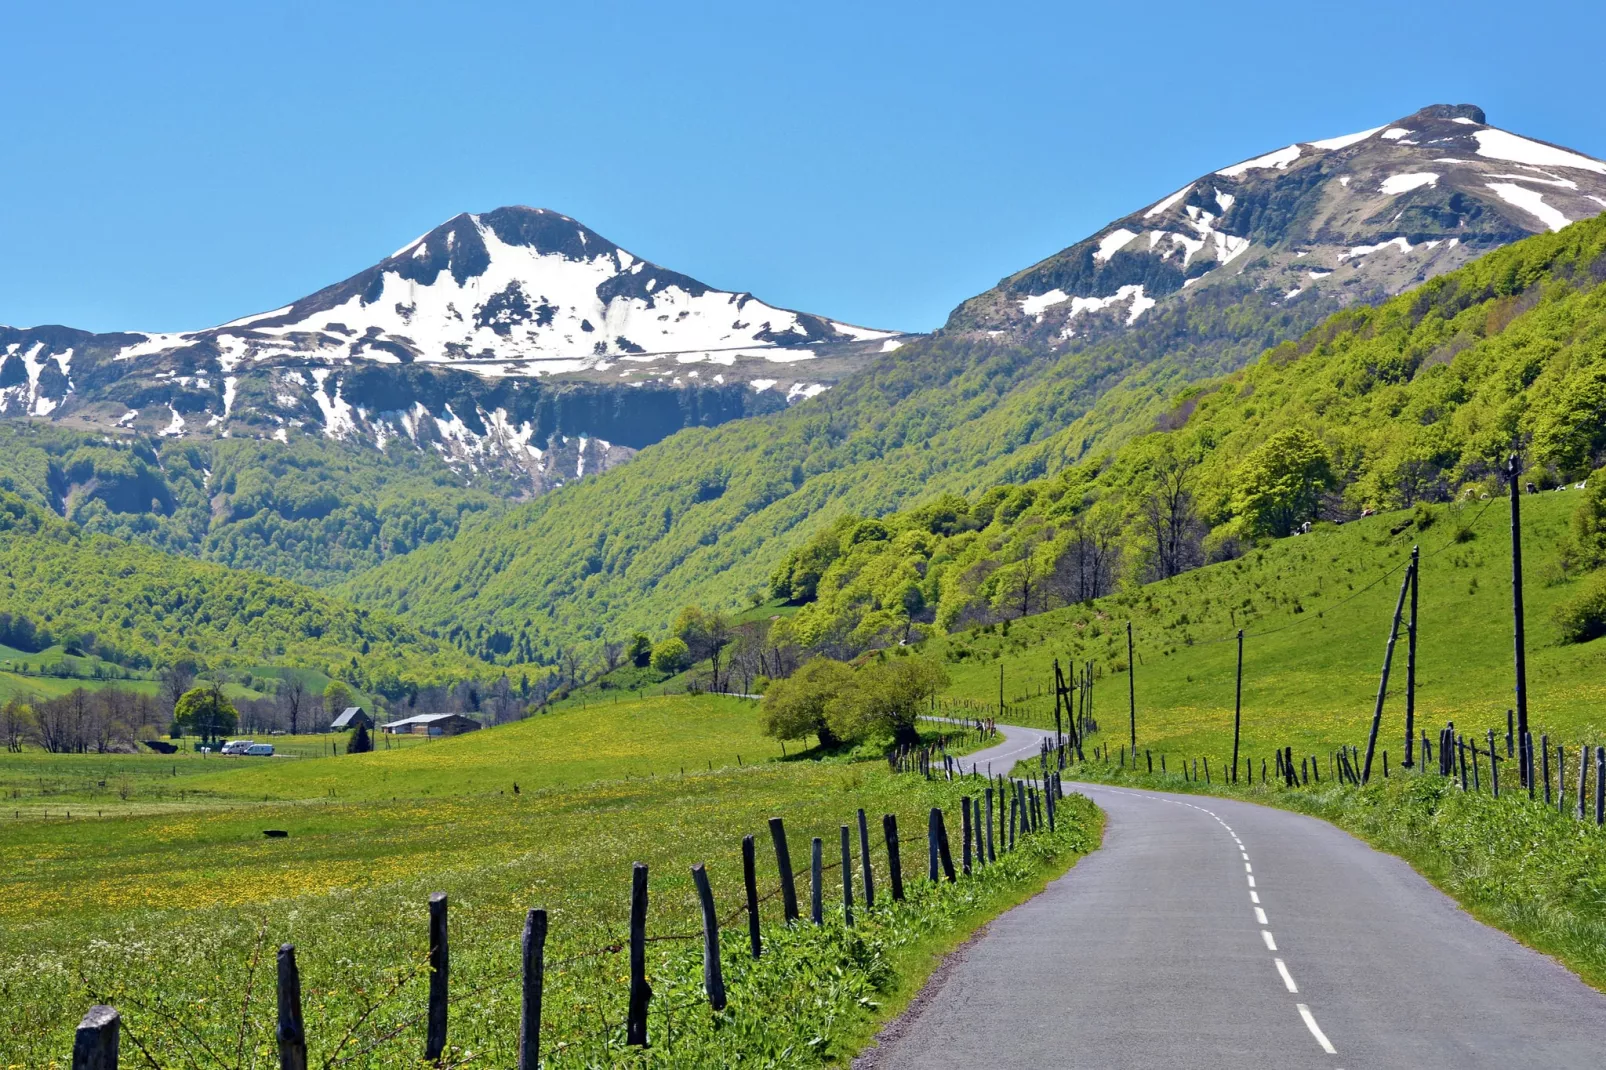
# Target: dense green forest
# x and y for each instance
(705, 515)
(1419, 400)
(137, 607)
(312, 510)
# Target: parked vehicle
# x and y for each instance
(237, 746)
(259, 750)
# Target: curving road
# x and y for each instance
(1211, 933)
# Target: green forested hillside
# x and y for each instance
(139, 607)
(1419, 400)
(312, 510)
(706, 514)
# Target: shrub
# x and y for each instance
(1583, 616)
(671, 656)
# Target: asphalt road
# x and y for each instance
(1214, 933)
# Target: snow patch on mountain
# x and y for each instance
(1394, 185)
(1503, 145)
(1531, 201)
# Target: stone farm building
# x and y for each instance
(433, 724)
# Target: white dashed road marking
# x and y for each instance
(1260, 916)
(1316, 1030)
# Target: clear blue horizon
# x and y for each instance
(175, 166)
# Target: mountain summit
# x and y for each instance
(496, 339)
(1347, 218)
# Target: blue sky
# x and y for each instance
(172, 166)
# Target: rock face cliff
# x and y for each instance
(516, 339)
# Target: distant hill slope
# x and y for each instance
(1022, 382)
(139, 607)
(1419, 400)
(516, 340)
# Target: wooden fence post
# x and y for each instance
(816, 875)
(713, 976)
(1544, 750)
(533, 952)
(932, 864)
(864, 861)
(1583, 779)
(783, 862)
(964, 827)
(750, 880)
(640, 990)
(1528, 764)
(435, 1035)
(1600, 785)
(1494, 771)
(291, 1032)
(889, 829)
(847, 874)
(94, 1046)
(944, 855)
(991, 856)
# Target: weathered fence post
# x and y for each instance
(713, 976)
(864, 862)
(435, 1035)
(750, 880)
(291, 1032)
(889, 828)
(1494, 771)
(1544, 750)
(944, 855)
(94, 1046)
(847, 874)
(533, 949)
(816, 876)
(1528, 764)
(1600, 785)
(783, 862)
(1583, 780)
(640, 990)
(932, 863)
(991, 856)
(964, 828)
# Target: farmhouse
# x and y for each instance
(350, 718)
(433, 724)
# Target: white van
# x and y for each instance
(237, 746)
(259, 750)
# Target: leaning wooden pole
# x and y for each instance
(1383, 684)
(1521, 659)
(1238, 706)
(1059, 735)
(1410, 660)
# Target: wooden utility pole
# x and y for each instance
(1383, 684)
(1238, 706)
(1410, 661)
(1132, 693)
(1514, 473)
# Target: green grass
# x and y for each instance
(163, 913)
(1316, 611)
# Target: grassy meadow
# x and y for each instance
(1315, 610)
(172, 915)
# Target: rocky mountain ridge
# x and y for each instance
(1356, 217)
(515, 339)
